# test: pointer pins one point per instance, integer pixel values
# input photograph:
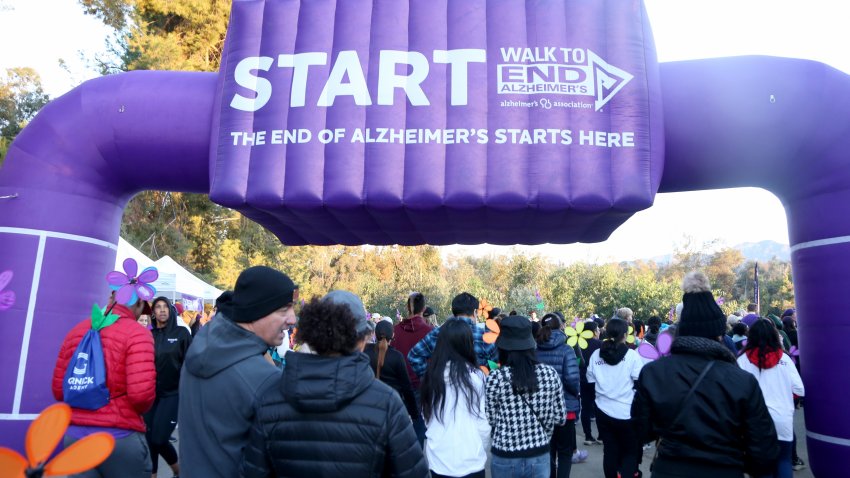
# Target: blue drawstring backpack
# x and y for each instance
(85, 379)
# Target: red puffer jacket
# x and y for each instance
(130, 372)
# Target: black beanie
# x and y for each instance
(701, 316)
(224, 303)
(259, 291)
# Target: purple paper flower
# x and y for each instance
(794, 352)
(662, 349)
(7, 297)
(128, 287)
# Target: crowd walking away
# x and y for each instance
(270, 384)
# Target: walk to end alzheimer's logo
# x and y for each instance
(558, 71)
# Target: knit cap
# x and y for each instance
(701, 316)
(259, 291)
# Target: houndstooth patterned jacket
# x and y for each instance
(516, 430)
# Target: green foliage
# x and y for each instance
(776, 290)
(21, 97)
(165, 34)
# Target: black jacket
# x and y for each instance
(726, 428)
(329, 417)
(170, 345)
(394, 374)
(584, 357)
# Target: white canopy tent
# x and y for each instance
(174, 280)
(185, 283)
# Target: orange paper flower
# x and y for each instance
(42, 437)
(484, 309)
(493, 331)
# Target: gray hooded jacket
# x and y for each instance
(223, 376)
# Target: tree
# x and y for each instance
(21, 97)
(165, 34)
(722, 269)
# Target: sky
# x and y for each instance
(38, 33)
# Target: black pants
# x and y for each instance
(161, 420)
(588, 407)
(477, 474)
(561, 450)
(620, 446)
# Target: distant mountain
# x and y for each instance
(764, 251)
(761, 251)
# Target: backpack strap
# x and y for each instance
(682, 407)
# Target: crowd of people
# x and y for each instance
(276, 386)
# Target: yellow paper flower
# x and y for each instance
(630, 338)
(578, 335)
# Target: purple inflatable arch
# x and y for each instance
(357, 122)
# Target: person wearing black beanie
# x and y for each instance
(701, 316)
(259, 291)
(709, 415)
(225, 373)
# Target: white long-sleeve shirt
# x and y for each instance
(456, 446)
(615, 388)
(778, 384)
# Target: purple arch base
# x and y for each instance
(779, 124)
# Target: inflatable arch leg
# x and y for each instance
(62, 193)
(781, 124)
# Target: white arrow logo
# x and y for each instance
(609, 79)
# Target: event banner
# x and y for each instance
(437, 121)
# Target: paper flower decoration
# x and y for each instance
(540, 304)
(493, 331)
(664, 343)
(578, 335)
(128, 287)
(43, 436)
(794, 352)
(630, 337)
(484, 309)
(491, 365)
(7, 297)
(99, 320)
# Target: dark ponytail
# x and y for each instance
(383, 335)
(549, 323)
(763, 339)
(616, 329)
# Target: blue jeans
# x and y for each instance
(783, 466)
(534, 467)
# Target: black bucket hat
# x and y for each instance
(515, 334)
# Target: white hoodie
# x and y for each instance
(778, 384)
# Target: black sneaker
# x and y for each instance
(798, 464)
